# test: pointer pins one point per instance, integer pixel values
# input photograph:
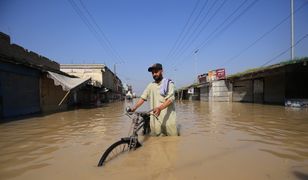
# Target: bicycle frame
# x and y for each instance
(139, 121)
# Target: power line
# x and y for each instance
(285, 51)
(202, 45)
(92, 29)
(88, 24)
(184, 28)
(189, 41)
(263, 36)
(189, 28)
(101, 31)
(221, 25)
(183, 45)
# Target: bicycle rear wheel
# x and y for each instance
(116, 149)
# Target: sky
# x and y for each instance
(189, 37)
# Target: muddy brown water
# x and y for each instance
(218, 141)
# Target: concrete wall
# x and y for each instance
(109, 80)
(216, 91)
(219, 91)
(18, 54)
(112, 82)
(204, 92)
(242, 91)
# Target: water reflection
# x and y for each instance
(212, 134)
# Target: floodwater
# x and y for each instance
(218, 141)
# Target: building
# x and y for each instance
(284, 83)
(31, 83)
(275, 84)
(108, 86)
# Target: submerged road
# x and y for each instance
(218, 141)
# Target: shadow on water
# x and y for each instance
(300, 175)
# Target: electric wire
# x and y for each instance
(102, 32)
(188, 30)
(221, 31)
(263, 36)
(202, 45)
(183, 29)
(192, 39)
(285, 51)
(92, 29)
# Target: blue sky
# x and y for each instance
(143, 32)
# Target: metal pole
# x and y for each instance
(114, 69)
(64, 98)
(292, 30)
(196, 51)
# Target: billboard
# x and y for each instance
(202, 78)
(220, 74)
(213, 75)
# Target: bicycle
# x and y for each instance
(140, 120)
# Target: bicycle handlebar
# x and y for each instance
(129, 112)
(139, 112)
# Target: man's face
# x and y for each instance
(157, 74)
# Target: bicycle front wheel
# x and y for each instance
(116, 149)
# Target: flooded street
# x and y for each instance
(218, 141)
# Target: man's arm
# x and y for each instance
(138, 104)
(143, 98)
(158, 109)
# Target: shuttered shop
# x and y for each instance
(19, 90)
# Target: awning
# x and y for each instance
(66, 82)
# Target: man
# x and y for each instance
(161, 95)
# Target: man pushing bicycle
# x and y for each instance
(161, 95)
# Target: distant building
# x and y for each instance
(109, 85)
(284, 83)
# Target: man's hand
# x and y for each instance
(156, 111)
(128, 109)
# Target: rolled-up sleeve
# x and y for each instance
(171, 91)
(146, 92)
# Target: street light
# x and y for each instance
(292, 30)
(195, 53)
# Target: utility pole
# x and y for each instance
(195, 52)
(292, 29)
(114, 69)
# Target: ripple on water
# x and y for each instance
(212, 134)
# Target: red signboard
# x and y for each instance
(220, 74)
